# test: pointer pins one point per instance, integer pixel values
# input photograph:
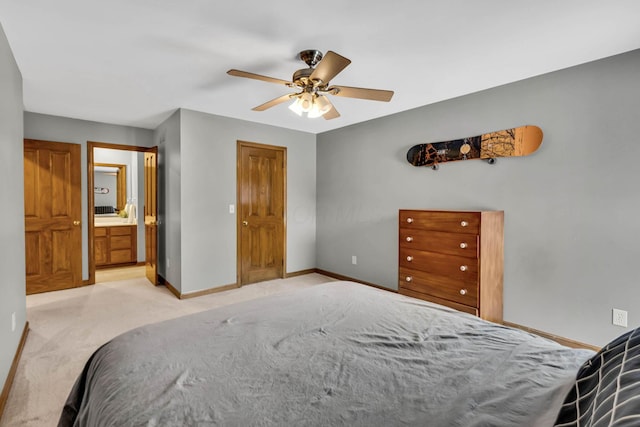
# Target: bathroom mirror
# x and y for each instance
(110, 185)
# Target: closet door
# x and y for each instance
(53, 237)
(261, 213)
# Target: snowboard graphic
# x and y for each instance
(514, 142)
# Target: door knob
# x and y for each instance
(245, 223)
(76, 222)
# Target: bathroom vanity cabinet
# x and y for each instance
(115, 245)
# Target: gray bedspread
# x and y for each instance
(333, 354)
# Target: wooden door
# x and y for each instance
(151, 213)
(261, 212)
(53, 237)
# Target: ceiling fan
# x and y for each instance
(312, 85)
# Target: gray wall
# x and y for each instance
(167, 138)
(12, 267)
(62, 129)
(208, 147)
(571, 233)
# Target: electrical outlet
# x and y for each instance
(354, 259)
(619, 317)
(13, 321)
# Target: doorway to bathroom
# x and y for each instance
(122, 208)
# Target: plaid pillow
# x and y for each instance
(607, 387)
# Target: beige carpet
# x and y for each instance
(66, 327)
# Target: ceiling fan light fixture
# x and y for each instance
(303, 103)
(321, 106)
(296, 107)
(306, 102)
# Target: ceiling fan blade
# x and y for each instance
(248, 75)
(331, 114)
(361, 93)
(329, 67)
(273, 102)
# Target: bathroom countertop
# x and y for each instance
(112, 224)
(111, 221)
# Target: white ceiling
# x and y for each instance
(133, 62)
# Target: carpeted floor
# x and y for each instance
(66, 327)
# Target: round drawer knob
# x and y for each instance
(463, 291)
(463, 268)
(409, 258)
(409, 239)
(409, 220)
(464, 223)
(408, 278)
(463, 245)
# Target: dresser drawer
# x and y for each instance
(457, 269)
(454, 222)
(441, 301)
(438, 286)
(100, 231)
(465, 245)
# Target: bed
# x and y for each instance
(339, 353)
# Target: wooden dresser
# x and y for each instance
(453, 258)
(116, 245)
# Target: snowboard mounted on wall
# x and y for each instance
(514, 142)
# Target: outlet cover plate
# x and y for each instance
(619, 317)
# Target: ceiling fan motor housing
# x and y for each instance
(311, 57)
(301, 77)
